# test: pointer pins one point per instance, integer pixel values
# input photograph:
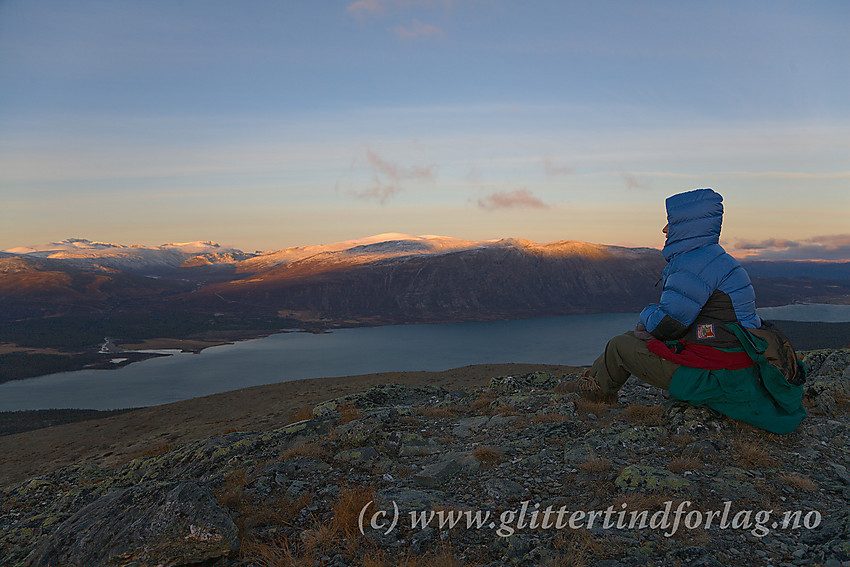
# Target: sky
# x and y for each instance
(264, 124)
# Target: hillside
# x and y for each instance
(267, 489)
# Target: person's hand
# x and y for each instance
(642, 334)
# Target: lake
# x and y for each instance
(573, 340)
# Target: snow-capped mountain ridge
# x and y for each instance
(172, 256)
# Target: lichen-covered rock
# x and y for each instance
(640, 433)
(384, 396)
(828, 380)
(360, 456)
(147, 525)
(534, 381)
(649, 479)
(367, 430)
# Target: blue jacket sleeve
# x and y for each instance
(682, 299)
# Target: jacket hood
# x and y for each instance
(694, 218)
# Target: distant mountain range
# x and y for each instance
(387, 278)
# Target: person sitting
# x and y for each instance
(698, 341)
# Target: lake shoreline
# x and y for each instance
(805, 335)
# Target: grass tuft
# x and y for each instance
(682, 464)
(549, 418)
(799, 482)
(440, 412)
(594, 464)
(307, 450)
(231, 492)
(482, 403)
(645, 415)
(751, 455)
(585, 406)
(348, 412)
(300, 414)
(487, 454)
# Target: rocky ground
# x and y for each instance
(539, 461)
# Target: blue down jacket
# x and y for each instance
(703, 285)
(707, 299)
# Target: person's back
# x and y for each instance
(695, 342)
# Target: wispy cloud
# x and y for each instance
(773, 243)
(632, 182)
(418, 30)
(387, 178)
(834, 247)
(363, 8)
(519, 199)
(553, 170)
(802, 175)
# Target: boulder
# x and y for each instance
(146, 525)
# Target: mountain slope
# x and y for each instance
(502, 279)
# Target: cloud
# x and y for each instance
(418, 30)
(555, 171)
(632, 181)
(391, 171)
(776, 243)
(387, 178)
(519, 199)
(362, 8)
(834, 247)
(795, 175)
(380, 193)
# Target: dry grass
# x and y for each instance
(300, 414)
(506, 409)
(276, 553)
(322, 537)
(751, 455)
(348, 412)
(564, 386)
(409, 420)
(594, 464)
(346, 510)
(651, 502)
(798, 482)
(157, 450)
(487, 454)
(443, 556)
(303, 547)
(448, 412)
(682, 464)
(682, 440)
(842, 401)
(585, 406)
(482, 403)
(549, 418)
(231, 492)
(285, 510)
(645, 415)
(581, 548)
(307, 450)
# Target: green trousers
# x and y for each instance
(626, 355)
